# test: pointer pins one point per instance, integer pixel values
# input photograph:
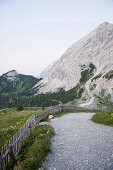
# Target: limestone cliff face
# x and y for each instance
(96, 48)
(45, 72)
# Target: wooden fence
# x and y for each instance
(12, 147)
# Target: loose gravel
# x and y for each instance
(80, 144)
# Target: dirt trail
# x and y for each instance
(80, 144)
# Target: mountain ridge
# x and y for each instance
(13, 82)
(95, 48)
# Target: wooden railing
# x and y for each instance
(52, 110)
(13, 146)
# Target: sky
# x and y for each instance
(35, 33)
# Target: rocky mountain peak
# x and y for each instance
(11, 75)
(105, 28)
(104, 32)
(104, 25)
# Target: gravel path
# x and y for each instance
(80, 144)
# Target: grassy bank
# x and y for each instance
(34, 149)
(11, 121)
(105, 118)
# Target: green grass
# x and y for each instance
(105, 118)
(39, 109)
(11, 121)
(35, 148)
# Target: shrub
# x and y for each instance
(92, 87)
(87, 73)
(84, 76)
(92, 67)
(109, 75)
(96, 77)
(20, 107)
(80, 93)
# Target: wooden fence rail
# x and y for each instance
(13, 146)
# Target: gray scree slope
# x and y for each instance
(80, 144)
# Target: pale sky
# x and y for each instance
(35, 33)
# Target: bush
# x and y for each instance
(109, 75)
(20, 108)
(96, 77)
(92, 67)
(43, 107)
(84, 76)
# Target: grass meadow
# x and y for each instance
(11, 121)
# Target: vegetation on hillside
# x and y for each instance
(109, 75)
(21, 85)
(103, 100)
(21, 91)
(96, 77)
(42, 100)
(86, 74)
(92, 87)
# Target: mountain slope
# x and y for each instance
(74, 67)
(45, 72)
(13, 82)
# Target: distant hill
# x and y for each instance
(13, 82)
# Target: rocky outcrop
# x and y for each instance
(11, 75)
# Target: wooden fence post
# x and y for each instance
(30, 127)
(1, 167)
(11, 154)
(37, 119)
(60, 107)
